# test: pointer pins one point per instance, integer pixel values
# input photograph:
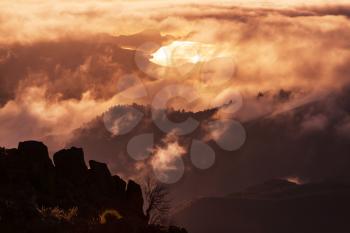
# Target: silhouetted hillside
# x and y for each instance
(309, 142)
(273, 207)
(99, 138)
(37, 195)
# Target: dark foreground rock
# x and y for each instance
(67, 196)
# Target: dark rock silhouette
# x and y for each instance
(70, 165)
(120, 185)
(39, 196)
(101, 178)
(134, 196)
(39, 166)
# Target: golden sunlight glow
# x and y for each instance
(183, 52)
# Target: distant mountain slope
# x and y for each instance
(309, 142)
(310, 208)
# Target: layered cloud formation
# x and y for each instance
(60, 64)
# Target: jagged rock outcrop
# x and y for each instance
(70, 165)
(29, 172)
(101, 176)
(134, 197)
(39, 167)
(36, 194)
(120, 185)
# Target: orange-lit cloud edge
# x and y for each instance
(289, 45)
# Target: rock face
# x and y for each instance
(67, 196)
(70, 165)
(120, 185)
(101, 179)
(40, 167)
(134, 197)
(29, 172)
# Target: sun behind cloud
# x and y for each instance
(182, 52)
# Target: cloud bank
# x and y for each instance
(60, 64)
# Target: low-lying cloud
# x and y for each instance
(61, 68)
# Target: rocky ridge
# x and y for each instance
(31, 183)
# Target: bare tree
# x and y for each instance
(157, 201)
